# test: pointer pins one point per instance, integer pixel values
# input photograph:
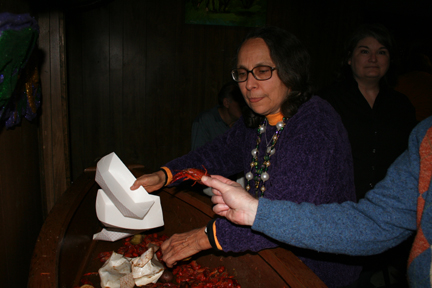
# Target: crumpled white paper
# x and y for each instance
(121, 272)
(114, 268)
(147, 268)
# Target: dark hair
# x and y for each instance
(232, 91)
(382, 35)
(293, 63)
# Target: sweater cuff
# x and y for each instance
(211, 234)
(168, 175)
(260, 221)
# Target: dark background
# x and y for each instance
(136, 78)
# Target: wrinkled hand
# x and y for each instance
(232, 201)
(181, 246)
(151, 182)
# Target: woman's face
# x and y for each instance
(370, 60)
(263, 97)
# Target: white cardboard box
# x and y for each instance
(115, 179)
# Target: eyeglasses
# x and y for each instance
(260, 73)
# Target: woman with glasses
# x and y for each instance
(287, 144)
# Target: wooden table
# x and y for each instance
(65, 250)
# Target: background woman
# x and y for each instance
(288, 144)
(378, 119)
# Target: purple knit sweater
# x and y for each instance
(312, 154)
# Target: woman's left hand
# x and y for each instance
(181, 246)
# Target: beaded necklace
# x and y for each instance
(260, 171)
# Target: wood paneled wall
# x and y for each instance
(54, 122)
(138, 77)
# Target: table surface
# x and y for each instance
(65, 250)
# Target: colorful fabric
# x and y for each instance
(421, 249)
(19, 84)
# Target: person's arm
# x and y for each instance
(226, 147)
(220, 156)
(385, 218)
(151, 182)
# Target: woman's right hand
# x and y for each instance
(151, 182)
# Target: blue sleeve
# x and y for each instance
(383, 219)
(200, 135)
(206, 127)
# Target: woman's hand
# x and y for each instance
(232, 201)
(151, 182)
(181, 246)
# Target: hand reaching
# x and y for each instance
(232, 201)
(184, 245)
(151, 182)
